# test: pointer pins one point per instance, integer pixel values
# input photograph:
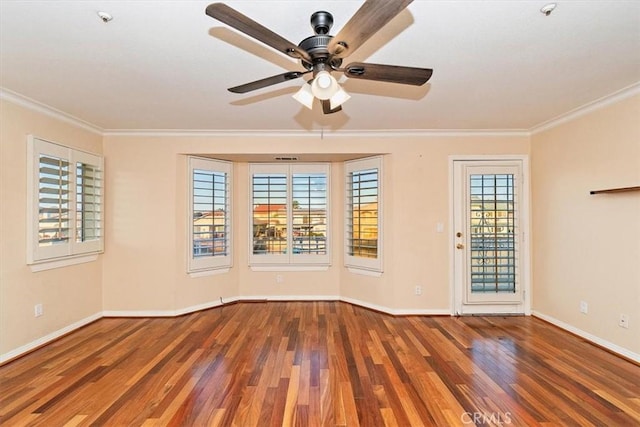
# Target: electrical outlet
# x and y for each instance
(37, 310)
(279, 278)
(584, 307)
(418, 290)
(624, 321)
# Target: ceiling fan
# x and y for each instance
(323, 53)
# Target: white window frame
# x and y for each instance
(221, 263)
(289, 260)
(357, 264)
(61, 254)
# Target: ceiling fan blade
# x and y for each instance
(326, 107)
(259, 84)
(371, 16)
(242, 23)
(388, 73)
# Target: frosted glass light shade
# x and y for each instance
(304, 96)
(339, 98)
(324, 86)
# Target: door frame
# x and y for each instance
(455, 295)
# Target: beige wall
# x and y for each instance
(144, 261)
(587, 247)
(143, 270)
(69, 295)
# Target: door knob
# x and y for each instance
(459, 246)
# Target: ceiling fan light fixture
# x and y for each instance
(304, 96)
(324, 85)
(323, 53)
(339, 98)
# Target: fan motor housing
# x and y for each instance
(316, 46)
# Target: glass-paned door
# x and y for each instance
(488, 237)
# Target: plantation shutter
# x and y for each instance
(363, 214)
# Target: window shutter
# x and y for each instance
(310, 218)
(289, 214)
(210, 214)
(64, 202)
(54, 191)
(363, 214)
(88, 202)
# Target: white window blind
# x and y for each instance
(54, 193)
(64, 202)
(88, 202)
(210, 214)
(289, 214)
(363, 214)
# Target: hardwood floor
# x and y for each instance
(318, 363)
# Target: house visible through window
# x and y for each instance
(289, 218)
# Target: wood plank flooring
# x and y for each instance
(318, 363)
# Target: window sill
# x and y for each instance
(364, 272)
(206, 273)
(62, 262)
(289, 267)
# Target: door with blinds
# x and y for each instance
(488, 241)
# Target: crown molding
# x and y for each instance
(317, 133)
(590, 107)
(39, 107)
(26, 102)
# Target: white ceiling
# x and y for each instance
(165, 65)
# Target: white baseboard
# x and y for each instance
(215, 303)
(169, 313)
(139, 313)
(48, 338)
(288, 298)
(398, 312)
(590, 337)
(383, 309)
